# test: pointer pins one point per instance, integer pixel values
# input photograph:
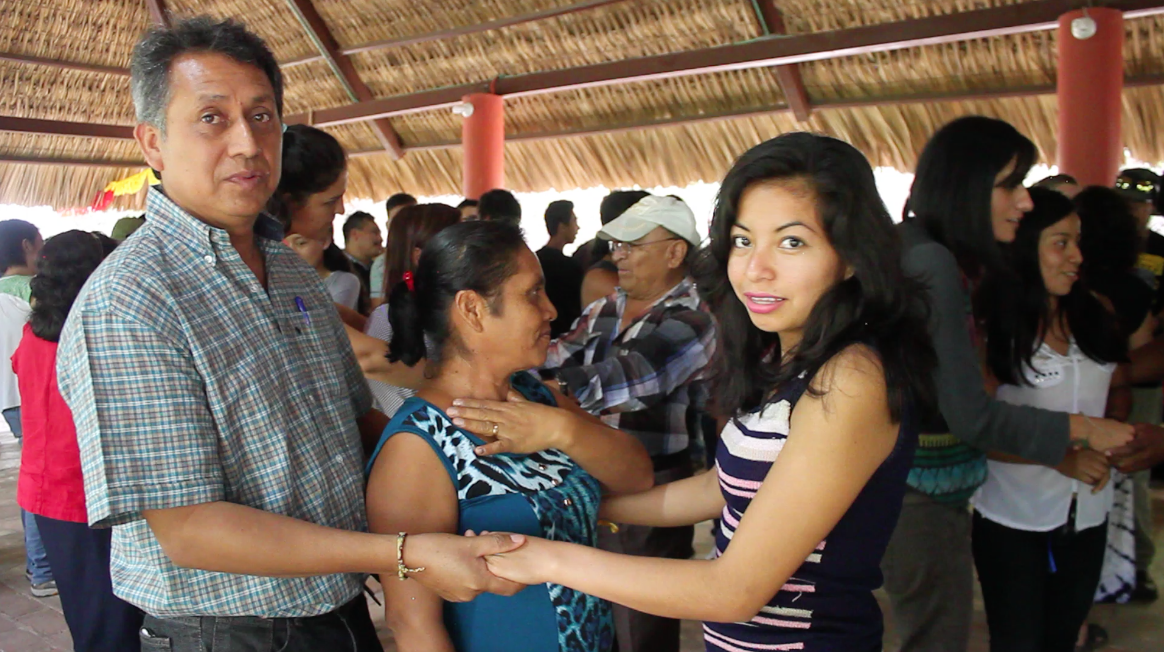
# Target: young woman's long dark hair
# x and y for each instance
(877, 305)
(312, 161)
(1111, 234)
(952, 188)
(1015, 307)
(411, 229)
(478, 256)
(67, 261)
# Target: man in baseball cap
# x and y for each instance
(635, 358)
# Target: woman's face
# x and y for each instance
(781, 260)
(1007, 205)
(309, 249)
(520, 327)
(314, 217)
(1059, 255)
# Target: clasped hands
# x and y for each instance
(459, 569)
(1143, 451)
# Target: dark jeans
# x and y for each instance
(98, 620)
(1029, 606)
(636, 631)
(347, 629)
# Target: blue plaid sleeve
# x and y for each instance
(144, 426)
(649, 369)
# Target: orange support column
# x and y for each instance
(483, 135)
(1091, 82)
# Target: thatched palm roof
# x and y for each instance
(64, 60)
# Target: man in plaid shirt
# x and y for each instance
(218, 405)
(636, 359)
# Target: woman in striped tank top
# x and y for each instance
(824, 356)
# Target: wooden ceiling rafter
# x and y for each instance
(1039, 15)
(770, 20)
(159, 13)
(320, 34)
(454, 32)
(61, 128)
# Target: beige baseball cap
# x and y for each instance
(650, 212)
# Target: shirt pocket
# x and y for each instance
(315, 353)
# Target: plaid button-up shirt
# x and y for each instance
(647, 379)
(189, 383)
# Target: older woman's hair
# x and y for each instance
(156, 51)
(478, 256)
(67, 261)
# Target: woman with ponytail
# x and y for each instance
(823, 362)
(476, 312)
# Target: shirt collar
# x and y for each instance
(684, 293)
(355, 261)
(184, 227)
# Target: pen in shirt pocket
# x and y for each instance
(303, 309)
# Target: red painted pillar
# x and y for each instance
(1091, 82)
(483, 135)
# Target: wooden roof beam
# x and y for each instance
(453, 32)
(63, 65)
(771, 21)
(62, 128)
(1040, 15)
(86, 162)
(915, 98)
(342, 66)
(159, 13)
(893, 100)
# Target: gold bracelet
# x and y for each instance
(402, 571)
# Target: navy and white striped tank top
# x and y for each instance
(828, 603)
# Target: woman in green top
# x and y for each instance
(20, 245)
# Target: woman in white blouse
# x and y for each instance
(1039, 533)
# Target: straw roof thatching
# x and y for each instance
(614, 148)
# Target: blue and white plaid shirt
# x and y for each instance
(189, 384)
(646, 379)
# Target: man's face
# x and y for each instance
(571, 228)
(1143, 212)
(645, 265)
(366, 242)
(221, 154)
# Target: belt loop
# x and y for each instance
(220, 634)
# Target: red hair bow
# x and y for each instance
(409, 282)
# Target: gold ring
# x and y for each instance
(495, 428)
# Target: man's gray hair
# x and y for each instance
(155, 52)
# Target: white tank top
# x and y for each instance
(1037, 498)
